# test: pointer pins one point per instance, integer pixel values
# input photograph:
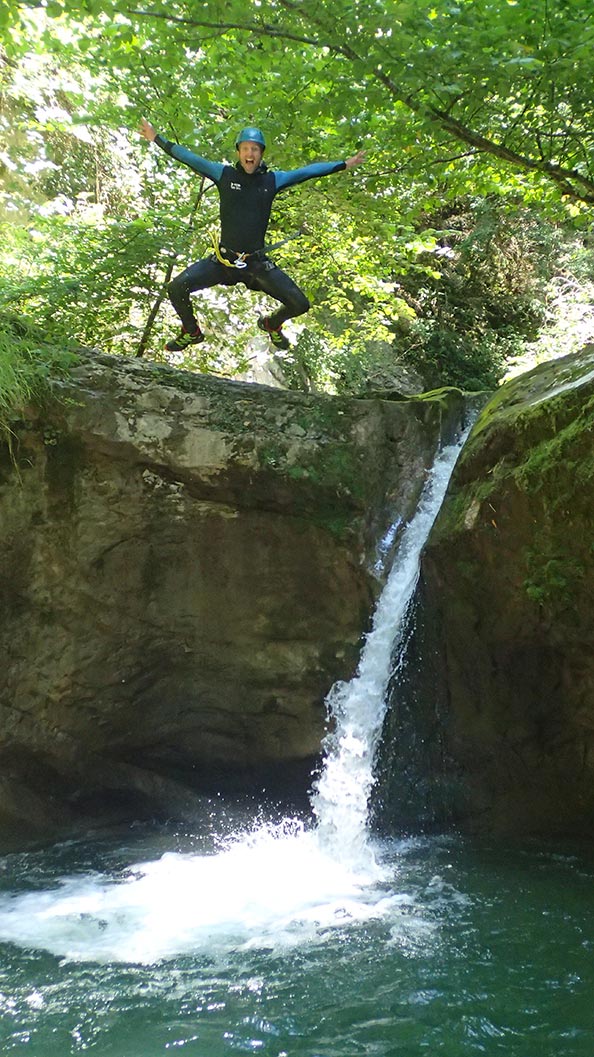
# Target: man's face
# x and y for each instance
(250, 155)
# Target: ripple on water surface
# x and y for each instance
(263, 946)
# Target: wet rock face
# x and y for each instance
(508, 618)
(185, 571)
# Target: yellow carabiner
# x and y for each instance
(218, 254)
(239, 263)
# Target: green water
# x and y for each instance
(456, 947)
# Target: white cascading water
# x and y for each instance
(341, 795)
(275, 885)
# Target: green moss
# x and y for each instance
(532, 456)
(441, 396)
(553, 579)
(330, 467)
(459, 505)
(326, 413)
(529, 401)
(340, 526)
(335, 468)
(564, 459)
(297, 473)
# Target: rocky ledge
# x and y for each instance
(498, 706)
(188, 564)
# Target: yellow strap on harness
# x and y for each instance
(239, 263)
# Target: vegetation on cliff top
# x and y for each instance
(529, 463)
(28, 362)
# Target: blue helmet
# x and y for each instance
(253, 135)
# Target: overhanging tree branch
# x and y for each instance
(570, 182)
(259, 29)
(561, 176)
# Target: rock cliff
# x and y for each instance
(492, 726)
(187, 566)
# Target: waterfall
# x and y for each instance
(357, 708)
(269, 886)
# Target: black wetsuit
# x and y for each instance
(245, 205)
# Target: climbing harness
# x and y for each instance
(240, 262)
(241, 258)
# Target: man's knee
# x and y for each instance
(177, 288)
(299, 303)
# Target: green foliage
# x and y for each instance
(28, 362)
(485, 302)
(481, 80)
(463, 109)
(553, 579)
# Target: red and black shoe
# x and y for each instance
(278, 339)
(183, 340)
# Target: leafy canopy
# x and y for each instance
(455, 103)
(506, 80)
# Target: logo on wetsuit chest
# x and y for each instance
(235, 187)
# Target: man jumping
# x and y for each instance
(246, 191)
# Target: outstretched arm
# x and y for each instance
(147, 130)
(212, 169)
(357, 159)
(309, 172)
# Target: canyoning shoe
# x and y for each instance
(278, 339)
(183, 340)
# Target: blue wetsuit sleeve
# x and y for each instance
(308, 172)
(211, 169)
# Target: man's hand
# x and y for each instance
(147, 130)
(357, 159)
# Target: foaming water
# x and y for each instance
(432, 959)
(273, 886)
